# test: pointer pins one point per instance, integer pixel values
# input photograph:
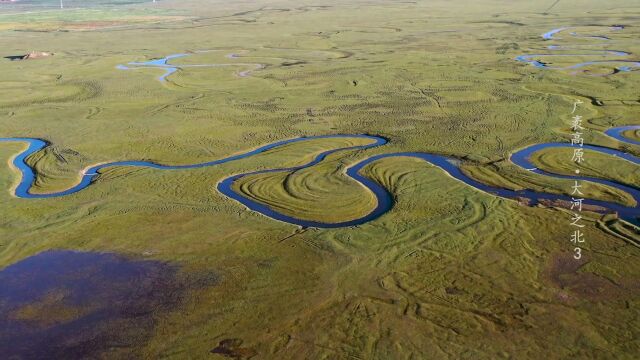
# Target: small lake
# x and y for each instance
(70, 304)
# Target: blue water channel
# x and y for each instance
(164, 64)
(450, 165)
(156, 63)
(621, 65)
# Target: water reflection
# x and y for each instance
(69, 304)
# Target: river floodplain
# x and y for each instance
(343, 179)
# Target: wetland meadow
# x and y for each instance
(343, 179)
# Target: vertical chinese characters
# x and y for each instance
(577, 141)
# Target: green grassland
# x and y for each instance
(449, 272)
(632, 134)
(598, 165)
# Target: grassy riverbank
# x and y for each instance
(448, 272)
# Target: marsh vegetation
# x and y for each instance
(450, 271)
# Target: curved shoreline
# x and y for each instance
(533, 59)
(163, 63)
(520, 158)
(617, 133)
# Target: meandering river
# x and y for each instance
(163, 63)
(620, 65)
(448, 164)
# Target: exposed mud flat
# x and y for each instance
(30, 56)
